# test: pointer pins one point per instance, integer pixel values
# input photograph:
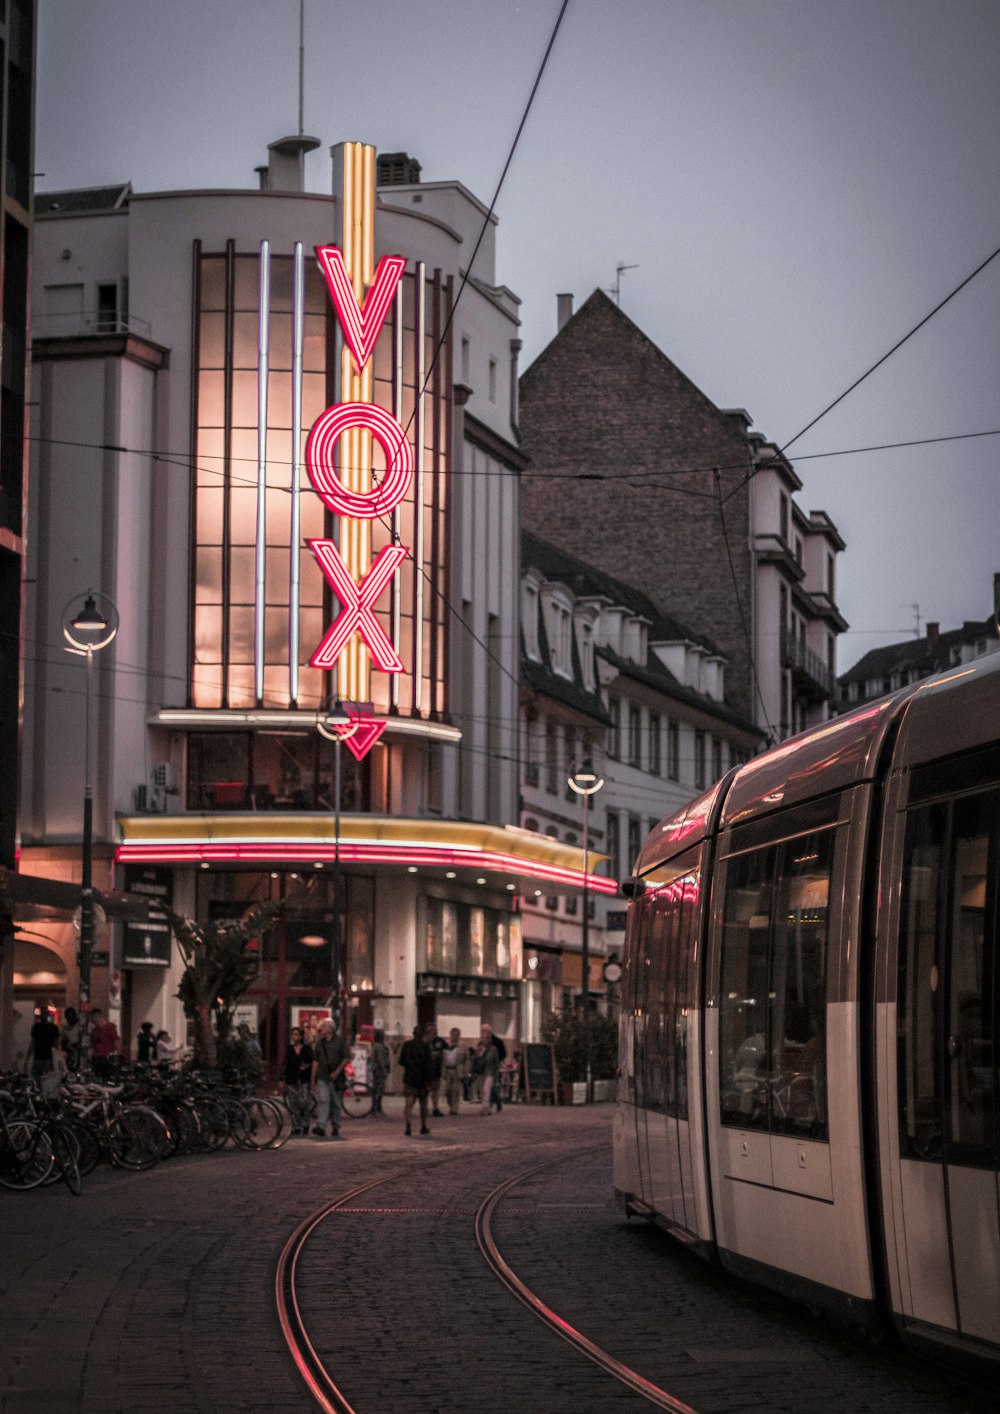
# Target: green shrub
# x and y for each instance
(565, 1031)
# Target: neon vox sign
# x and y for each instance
(361, 324)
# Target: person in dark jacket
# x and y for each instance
(145, 1044)
(418, 1071)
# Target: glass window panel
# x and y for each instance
(311, 580)
(279, 456)
(279, 349)
(218, 767)
(743, 1002)
(208, 575)
(243, 515)
(432, 940)
(243, 453)
(798, 987)
(242, 571)
(477, 941)
(317, 297)
(279, 399)
(211, 399)
(246, 292)
(241, 687)
(282, 282)
(277, 516)
(276, 574)
(314, 343)
(213, 282)
(276, 687)
(206, 690)
(209, 456)
(207, 633)
(312, 520)
(918, 992)
(245, 397)
(313, 397)
(972, 983)
(208, 516)
(312, 684)
(241, 634)
(276, 635)
(311, 628)
(212, 341)
(361, 934)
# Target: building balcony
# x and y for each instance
(810, 675)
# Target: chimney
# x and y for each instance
(564, 310)
(933, 633)
(286, 163)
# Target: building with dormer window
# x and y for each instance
(645, 702)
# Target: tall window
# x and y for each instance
(655, 745)
(551, 755)
(700, 766)
(236, 659)
(673, 751)
(615, 729)
(614, 844)
(635, 736)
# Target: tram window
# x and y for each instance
(947, 991)
(774, 987)
(920, 1097)
(744, 995)
(972, 979)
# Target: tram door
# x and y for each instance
(947, 1247)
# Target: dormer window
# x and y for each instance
(585, 618)
(559, 628)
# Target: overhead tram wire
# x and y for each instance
(869, 371)
(645, 476)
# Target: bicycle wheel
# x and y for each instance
(90, 1146)
(66, 1150)
(137, 1138)
(214, 1122)
(26, 1157)
(357, 1101)
(265, 1123)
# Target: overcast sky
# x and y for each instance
(798, 182)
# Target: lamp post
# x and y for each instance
(586, 782)
(336, 726)
(87, 629)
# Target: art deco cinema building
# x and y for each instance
(278, 430)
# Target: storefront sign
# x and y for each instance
(148, 944)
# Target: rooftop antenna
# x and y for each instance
(916, 618)
(616, 288)
(302, 63)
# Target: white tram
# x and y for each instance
(811, 989)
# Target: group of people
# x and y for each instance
(319, 1064)
(53, 1049)
(431, 1063)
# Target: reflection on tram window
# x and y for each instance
(774, 987)
(948, 983)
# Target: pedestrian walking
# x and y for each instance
(44, 1040)
(418, 1069)
(456, 1065)
(330, 1059)
(145, 1044)
(437, 1044)
(381, 1066)
(70, 1038)
(297, 1079)
(165, 1048)
(488, 1058)
(105, 1045)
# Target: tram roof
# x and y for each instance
(954, 711)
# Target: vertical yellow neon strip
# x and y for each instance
(358, 244)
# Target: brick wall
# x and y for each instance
(601, 398)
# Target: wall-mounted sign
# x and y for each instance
(149, 944)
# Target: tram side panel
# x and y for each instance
(659, 1137)
(938, 994)
(782, 1053)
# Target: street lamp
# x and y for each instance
(87, 629)
(336, 726)
(586, 782)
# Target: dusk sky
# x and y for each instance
(798, 183)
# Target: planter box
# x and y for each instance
(605, 1090)
(572, 1092)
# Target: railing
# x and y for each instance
(86, 323)
(796, 655)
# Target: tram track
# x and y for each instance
(322, 1383)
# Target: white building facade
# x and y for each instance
(191, 356)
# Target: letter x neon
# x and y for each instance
(357, 601)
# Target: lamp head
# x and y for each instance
(90, 619)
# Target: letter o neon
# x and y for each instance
(326, 431)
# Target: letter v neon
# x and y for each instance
(361, 324)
